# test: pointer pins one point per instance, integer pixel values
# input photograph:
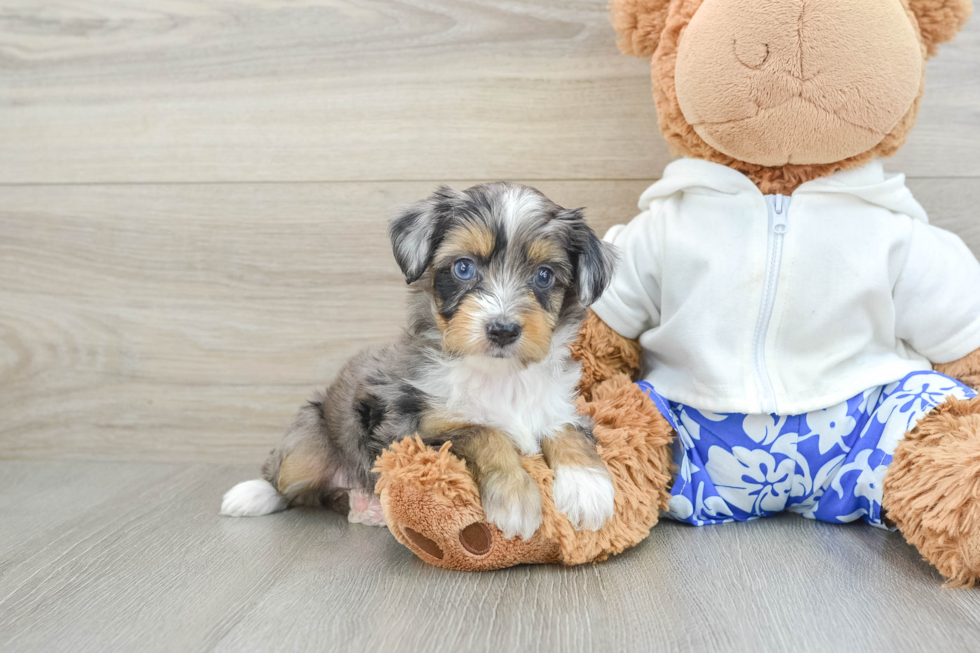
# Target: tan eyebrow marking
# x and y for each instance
(468, 239)
(543, 250)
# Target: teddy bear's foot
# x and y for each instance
(932, 490)
(432, 506)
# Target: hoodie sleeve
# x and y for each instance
(937, 296)
(631, 303)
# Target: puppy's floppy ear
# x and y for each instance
(940, 20)
(417, 231)
(594, 260)
(639, 24)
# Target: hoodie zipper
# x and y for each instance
(778, 206)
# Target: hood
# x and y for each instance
(868, 183)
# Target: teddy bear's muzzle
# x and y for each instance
(797, 88)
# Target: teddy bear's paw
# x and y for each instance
(585, 495)
(512, 502)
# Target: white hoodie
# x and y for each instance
(752, 303)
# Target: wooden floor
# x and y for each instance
(132, 557)
(193, 197)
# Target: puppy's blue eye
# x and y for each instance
(544, 277)
(464, 269)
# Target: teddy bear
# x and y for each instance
(785, 330)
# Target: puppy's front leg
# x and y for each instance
(510, 499)
(582, 488)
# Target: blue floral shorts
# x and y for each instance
(828, 464)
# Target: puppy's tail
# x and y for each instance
(322, 458)
(296, 472)
(253, 499)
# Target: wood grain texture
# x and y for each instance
(123, 556)
(324, 90)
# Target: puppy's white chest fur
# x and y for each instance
(527, 404)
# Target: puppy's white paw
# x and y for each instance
(512, 503)
(251, 499)
(365, 508)
(585, 495)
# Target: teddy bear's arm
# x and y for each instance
(966, 369)
(603, 354)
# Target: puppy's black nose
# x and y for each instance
(503, 334)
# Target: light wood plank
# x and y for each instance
(953, 204)
(323, 90)
(100, 556)
(189, 322)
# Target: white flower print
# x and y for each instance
(711, 508)
(689, 430)
(680, 507)
(869, 398)
(857, 514)
(750, 479)
(919, 394)
(868, 482)
(763, 428)
(749, 466)
(903, 409)
(714, 417)
(825, 475)
(786, 445)
(684, 470)
(830, 425)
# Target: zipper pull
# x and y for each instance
(779, 222)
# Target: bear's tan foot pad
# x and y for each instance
(432, 506)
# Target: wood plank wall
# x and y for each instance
(193, 194)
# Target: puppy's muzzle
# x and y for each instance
(503, 333)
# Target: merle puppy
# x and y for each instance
(499, 279)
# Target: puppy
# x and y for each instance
(499, 278)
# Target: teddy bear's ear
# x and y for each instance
(639, 24)
(940, 20)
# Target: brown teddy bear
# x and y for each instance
(809, 343)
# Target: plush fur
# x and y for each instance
(967, 369)
(932, 489)
(797, 88)
(603, 354)
(636, 21)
